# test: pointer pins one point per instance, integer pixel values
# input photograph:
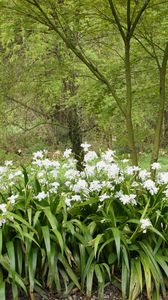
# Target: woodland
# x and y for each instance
(84, 145)
(90, 71)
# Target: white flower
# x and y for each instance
(41, 174)
(103, 197)
(155, 166)
(2, 221)
(46, 163)
(12, 198)
(41, 196)
(81, 185)
(55, 184)
(112, 171)
(3, 169)
(125, 160)
(54, 173)
(3, 208)
(90, 170)
(126, 199)
(85, 146)
(101, 165)
(143, 175)
(38, 163)
(44, 181)
(132, 170)
(8, 163)
(166, 193)
(132, 199)
(38, 154)
(72, 174)
(18, 173)
(68, 183)
(55, 164)
(108, 156)
(145, 223)
(134, 184)
(150, 186)
(67, 153)
(76, 198)
(162, 178)
(120, 179)
(54, 187)
(68, 201)
(95, 186)
(89, 156)
(107, 184)
(119, 194)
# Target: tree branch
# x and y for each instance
(128, 16)
(138, 17)
(165, 58)
(26, 106)
(80, 55)
(117, 20)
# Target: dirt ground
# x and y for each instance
(110, 293)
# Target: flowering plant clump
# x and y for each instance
(72, 226)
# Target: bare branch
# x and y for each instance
(26, 106)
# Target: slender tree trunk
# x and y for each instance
(158, 129)
(165, 129)
(128, 117)
(75, 134)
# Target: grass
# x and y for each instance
(145, 158)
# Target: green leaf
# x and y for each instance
(147, 273)
(69, 270)
(100, 280)
(51, 218)
(89, 281)
(26, 178)
(32, 267)
(11, 254)
(1, 241)
(59, 239)
(124, 279)
(95, 242)
(2, 290)
(88, 264)
(37, 186)
(82, 262)
(36, 217)
(117, 239)
(135, 280)
(46, 235)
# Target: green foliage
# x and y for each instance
(61, 228)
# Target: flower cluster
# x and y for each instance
(104, 178)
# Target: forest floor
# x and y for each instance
(110, 293)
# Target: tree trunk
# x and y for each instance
(165, 130)
(75, 134)
(129, 123)
(158, 129)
